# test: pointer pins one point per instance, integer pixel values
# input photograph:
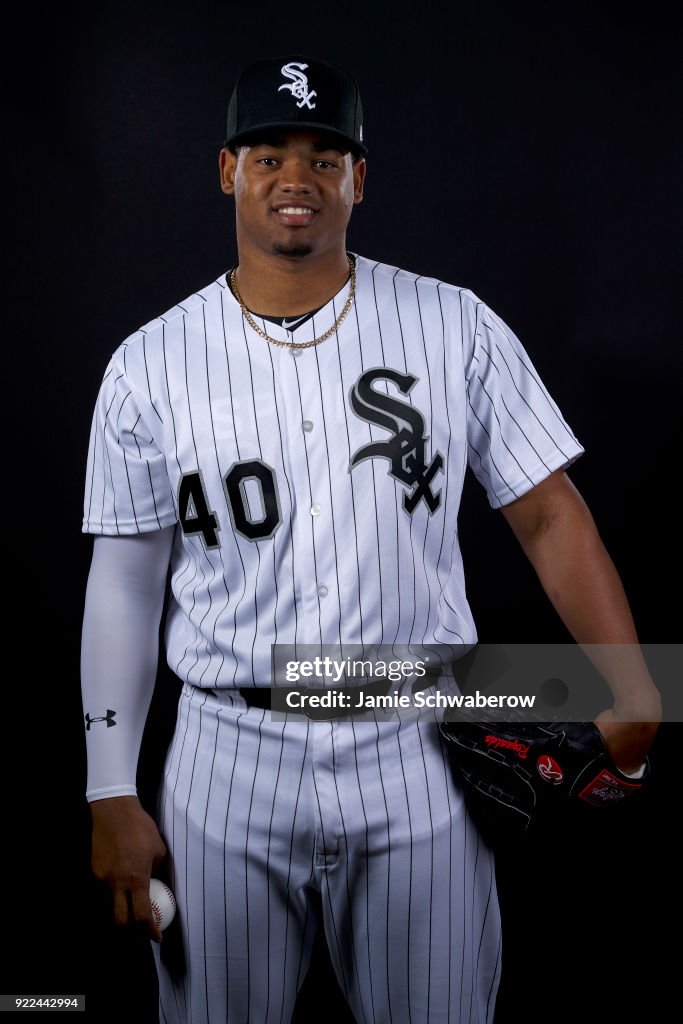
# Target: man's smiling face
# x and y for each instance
(294, 192)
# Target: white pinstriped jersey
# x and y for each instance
(316, 491)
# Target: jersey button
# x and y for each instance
(322, 590)
(315, 510)
(307, 425)
(296, 352)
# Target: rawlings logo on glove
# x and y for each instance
(499, 741)
(517, 774)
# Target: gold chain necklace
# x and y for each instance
(297, 344)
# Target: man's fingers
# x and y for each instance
(121, 906)
(142, 912)
(131, 906)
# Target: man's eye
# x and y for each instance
(324, 163)
(269, 161)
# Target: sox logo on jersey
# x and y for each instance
(406, 449)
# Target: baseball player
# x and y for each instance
(287, 447)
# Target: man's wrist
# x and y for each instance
(110, 792)
(107, 805)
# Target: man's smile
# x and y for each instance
(294, 214)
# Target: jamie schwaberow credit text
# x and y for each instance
(333, 671)
(364, 701)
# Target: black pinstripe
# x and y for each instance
(244, 573)
(331, 499)
(353, 488)
(207, 895)
(411, 561)
(289, 492)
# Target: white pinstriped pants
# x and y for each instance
(257, 814)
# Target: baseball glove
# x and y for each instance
(519, 775)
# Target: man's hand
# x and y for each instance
(126, 851)
(628, 741)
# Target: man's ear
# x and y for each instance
(227, 163)
(359, 168)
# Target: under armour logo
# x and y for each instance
(406, 449)
(108, 718)
(299, 84)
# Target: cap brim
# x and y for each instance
(261, 129)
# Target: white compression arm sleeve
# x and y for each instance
(119, 654)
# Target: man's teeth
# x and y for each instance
(295, 209)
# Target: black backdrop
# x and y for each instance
(529, 152)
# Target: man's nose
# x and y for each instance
(296, 175)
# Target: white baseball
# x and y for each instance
(163, 903)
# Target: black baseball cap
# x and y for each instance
(296, 92)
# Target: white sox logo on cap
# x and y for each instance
(299, 84)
